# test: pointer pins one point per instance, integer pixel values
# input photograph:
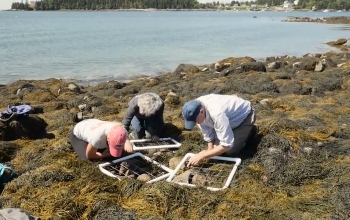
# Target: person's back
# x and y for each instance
(235, 108)
(93, 130)
(224, 120)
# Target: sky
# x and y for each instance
(5, 4)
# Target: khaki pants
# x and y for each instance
(241, 134)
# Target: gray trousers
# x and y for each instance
(241, 134)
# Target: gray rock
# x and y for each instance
(82, 107)
(183, 177)
(73, 87)
(173, 162)
(274, 65)
(296, 65)
(319, 66)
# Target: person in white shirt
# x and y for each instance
(226, 122)
(96, 139)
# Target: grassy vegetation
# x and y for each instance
(300, 168)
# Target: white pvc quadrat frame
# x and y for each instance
(175, 145)
(138, 154)
(229, 178)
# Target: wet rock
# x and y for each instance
(82, 107)
(199, 180)
(221, 66)
(320, 144)
(27, 127)
(144, 177)
(74, 88)
(186, 68)
(338, 42)
(253, 66)
(172, 99)
(296, 65)
(38, 94)
(317, 55)
(113, 84)
(183, 177)
(173, 162)
(307, 150)
(345, 56)
(344, 65)
(264, 102)
(274, 65)
(270, 59)
(290, 57)
(153, 82)
(309, 65)
(229, 71)
(319, 66)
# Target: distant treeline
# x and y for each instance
(325, 4)
(309, 4)
(46, 5)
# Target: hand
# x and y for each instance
(195, 159)
(155, 138)
(128, 147)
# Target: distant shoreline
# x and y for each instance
(172, 10)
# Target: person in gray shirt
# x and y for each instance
(144, 117)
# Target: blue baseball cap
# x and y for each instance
(190, 111)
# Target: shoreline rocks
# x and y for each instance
(326, 20)
(302, 106)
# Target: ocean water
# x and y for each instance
(99, 46)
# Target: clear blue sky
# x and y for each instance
(5, 4)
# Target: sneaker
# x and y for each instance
(148, 135)
(133, 135)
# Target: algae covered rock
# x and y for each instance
(23, 127)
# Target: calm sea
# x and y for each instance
(98, 46)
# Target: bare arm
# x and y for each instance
(216, 151)
(91, 153)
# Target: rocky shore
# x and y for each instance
(297, 168)
(326, 20)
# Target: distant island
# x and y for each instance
(148, 5)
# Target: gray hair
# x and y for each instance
(149, 103)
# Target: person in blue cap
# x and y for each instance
(226, 122)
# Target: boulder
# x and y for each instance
(186, 68)
(253, 66)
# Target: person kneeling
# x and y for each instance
(97, 139)
(226, 122)
(144, 117)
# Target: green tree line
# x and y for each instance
(308, 4)
(325, 4)
(46, 5)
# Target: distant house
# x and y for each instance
(287, 5)
(296, 2)
(32, 3)
(253, 6)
